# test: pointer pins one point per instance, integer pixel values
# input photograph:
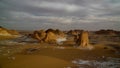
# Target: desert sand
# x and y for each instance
(22, 53)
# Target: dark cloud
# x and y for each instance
(62, 14)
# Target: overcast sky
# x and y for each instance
(60, 14)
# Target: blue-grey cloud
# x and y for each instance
(62, 14)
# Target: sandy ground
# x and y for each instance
(67, 55)
(51, 55)
(35, 61)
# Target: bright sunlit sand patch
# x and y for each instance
(35, 61)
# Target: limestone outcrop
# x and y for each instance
(48, 36)
(7, 32)
(82, 40)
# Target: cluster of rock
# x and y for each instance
(7, 32)
(74, 32)
(49, 36)
(81, 37)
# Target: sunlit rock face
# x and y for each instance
(7, 32)
(39, 35)
(49, 36)
(74, 32)
(56, 32)
(82, 40)
(13, 32)
(4, 33)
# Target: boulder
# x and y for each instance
(50, 37)
(39, 35)
(82, 39)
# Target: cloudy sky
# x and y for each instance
(60, 14)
